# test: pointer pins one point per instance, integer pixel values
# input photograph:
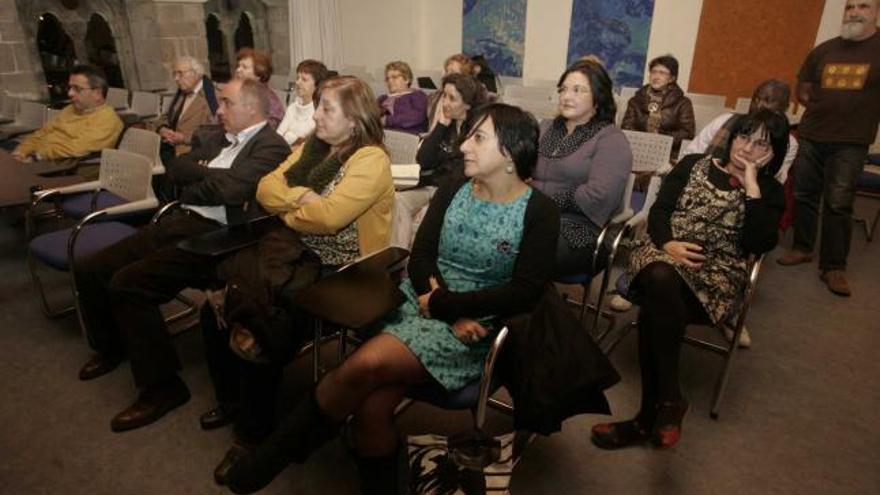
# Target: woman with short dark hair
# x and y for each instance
(712, 213)
(297, 123)
(584, 162)
(480, 255)
(661, 106)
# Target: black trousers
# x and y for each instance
(826, 174)
(667, 306)
(121, 287)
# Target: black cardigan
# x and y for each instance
(532, 272)
(439, 157)
(760, 228)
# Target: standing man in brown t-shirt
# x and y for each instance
(839, 84)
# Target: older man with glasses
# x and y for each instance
(194, 104)
(85, 126)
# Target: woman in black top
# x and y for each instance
(711, 214)
(438, 157)
(480, 254)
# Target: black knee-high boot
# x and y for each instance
(302, 432)
(386, 475)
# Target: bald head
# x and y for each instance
(243, 103)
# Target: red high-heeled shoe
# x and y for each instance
(621, 434)
(667, 429)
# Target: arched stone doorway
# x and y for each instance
(57, 55)
(217, 56)
(244, 33)
(101, 50)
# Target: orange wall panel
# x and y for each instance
(741, 43)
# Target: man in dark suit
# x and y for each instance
(121, 287)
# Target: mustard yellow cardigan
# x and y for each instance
(365, 195)
(71, 134)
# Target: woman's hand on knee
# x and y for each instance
(469, 331)
(685, 253)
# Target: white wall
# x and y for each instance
(376, 32)
(674, 30)
(438, 34)
(546, 44)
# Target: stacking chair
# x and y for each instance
(727, 350)
(8, 106)
(117, 98)
(126, 175)
(681, 150)
(29, 116)
(540, 93)
(742, 105)
(540, 107)
(707, 100)
(627, 92)
(79, 200)
(868, 186)
(402, 146)
(703, 114)
(650, 152)
(144, 106)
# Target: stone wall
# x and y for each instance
(20, 71)
(269, 22)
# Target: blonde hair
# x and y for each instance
(462, 59)
(401, 67)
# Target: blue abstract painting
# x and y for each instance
(617, 32)
(496, 29)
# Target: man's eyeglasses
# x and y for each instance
(180, 73)
(77, 89)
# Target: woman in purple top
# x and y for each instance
(403, 108)
(583, 163)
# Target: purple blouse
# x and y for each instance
(406, 112)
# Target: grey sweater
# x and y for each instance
(598, 170)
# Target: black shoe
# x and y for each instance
(152, 404)
(386, 475)
(302, 432)
(232, 457)
(218, 417)
(97, 366)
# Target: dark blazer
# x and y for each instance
(234, 187)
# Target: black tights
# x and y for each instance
(667, 306)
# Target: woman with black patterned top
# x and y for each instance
(583, 162)
(711, 214)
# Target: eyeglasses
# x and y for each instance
(77, 89)
(660, 72)
(759, 144)
(180, 73)
(577, 90)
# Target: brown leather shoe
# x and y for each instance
(233, 455)
(794, 257)
(151, 405)
(836, 282)
(97, 366)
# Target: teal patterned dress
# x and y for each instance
(479, 244)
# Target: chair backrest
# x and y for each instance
(126, 174)
(166, 102)
(51, 113)
(531, 93)
(650, 151)
(31, 114)
(707, 100)
(278, 81)
(142, 142)
(621, 103)
(742, 105)
(117, 98)
(145, 104)
(8, 106)
(540, 108)
(627, 92)
(684, 144)
(704, 114)
(401, 146)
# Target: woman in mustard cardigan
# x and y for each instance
(335, 194)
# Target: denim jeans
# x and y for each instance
(829, 171)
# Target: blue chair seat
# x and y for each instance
(869, 181)
(80, 205)
(463, 398)
(576, 279)
(51, 248)
(637, 200)
(874, 158)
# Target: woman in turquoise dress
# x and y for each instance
(483, 252)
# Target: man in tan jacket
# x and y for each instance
(194, 104)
